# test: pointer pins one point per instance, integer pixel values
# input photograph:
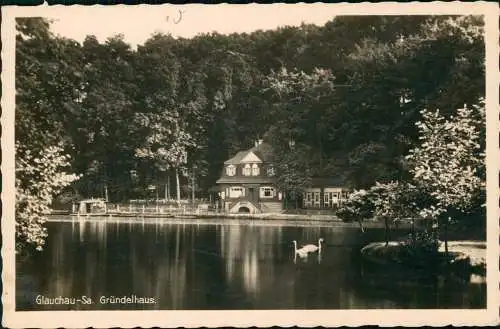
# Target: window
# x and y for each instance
(308, 196)
(266, 192)
(270, 171)
(235, 192)
(316, 197)
(327, 198)
(247, 170)
(230, 170)
(255, 169)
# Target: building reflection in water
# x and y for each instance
(237, 265)
(248, 253)
(81, 228)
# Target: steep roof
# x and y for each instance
(237, 158)
(263, 151)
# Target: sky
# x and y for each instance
(138, 23)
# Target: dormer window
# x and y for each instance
(247, 170)
(230, 170)
(255, 169)
(270, 171)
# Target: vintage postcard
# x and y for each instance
(250, 165)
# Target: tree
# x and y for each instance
(293, 172)
(385, 202)
(395, 201)
(39, 177)
(300, 104)
(47, 81)
(396, 66)
(194, 174)
(348, 93)
(102, 128)
(167, 143)
(449, 160)
(358, 207)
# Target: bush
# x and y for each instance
(358, 207)
(420, 245)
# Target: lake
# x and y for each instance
(222, 265)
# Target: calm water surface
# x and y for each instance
(223, 265)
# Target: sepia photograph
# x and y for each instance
(294, 159)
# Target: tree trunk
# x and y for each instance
(169, 192)
(445, 233)
(360, 222)
(386, 222)
(106, 192)
(177, 186)
(193, 182)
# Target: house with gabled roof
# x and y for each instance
(247, 182)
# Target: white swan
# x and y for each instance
(301, 252)
(313, 248)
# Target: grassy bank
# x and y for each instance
(464, 256)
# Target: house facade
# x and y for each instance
(325, 192)
(247, 182)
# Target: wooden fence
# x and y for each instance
(160, 209)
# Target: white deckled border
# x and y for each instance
(284, 318)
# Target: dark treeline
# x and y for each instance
(347, 93)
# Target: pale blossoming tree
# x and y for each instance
(393, 202)
(386, 198)
(40, 177)
(449, 162)
(358, 207)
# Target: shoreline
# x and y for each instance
(269, 216)
(214, 218)
(467, 256)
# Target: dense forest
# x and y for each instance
(348, 94)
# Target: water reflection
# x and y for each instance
(305, 257)
(244, 249)
(226, 265)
